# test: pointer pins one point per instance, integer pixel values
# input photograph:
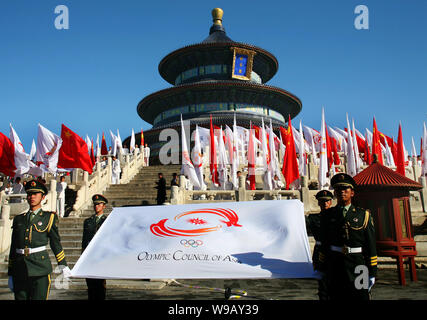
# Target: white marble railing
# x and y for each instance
(5, 223)
(100, 179)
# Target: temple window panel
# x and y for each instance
(219, 106)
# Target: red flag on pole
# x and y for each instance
(329, 155)
(290, 165)
(334, 149)
(213, 160)
(142, 139)
(92, 155)
(104, 149)
(73, 152)
(394, 151)
(367, 155)
(251, 159)
(7, 156)
(376, 144)
(257, 132)
(400, 163)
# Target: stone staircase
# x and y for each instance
(141, 190)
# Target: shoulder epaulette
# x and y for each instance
(365, 222)
(51, 220)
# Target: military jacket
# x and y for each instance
(42, 229)
(90, 227)
(313, 227)
(354, 230)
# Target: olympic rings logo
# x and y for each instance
(191, 243)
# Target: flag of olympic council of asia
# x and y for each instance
(252, 239)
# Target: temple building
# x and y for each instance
(218, 77)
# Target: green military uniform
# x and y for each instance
(29, 262)
(347, 241)
(313, 227)
(96, 287)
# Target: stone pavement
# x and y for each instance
(386, 288)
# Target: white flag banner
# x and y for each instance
(187, 167)
(222, 161)
(33, 151)
(88, 143)
(198, 160)
(204, 137)
(113, 144)
(22, 162)
(48, 145)
(132, 142)
(98, 148)
(310, 135)
(357, 159)
(119, 142)
(275, 167)
(351, 160)
(323, 163)
(248, 239)
(413, 150)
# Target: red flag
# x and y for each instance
(394, 151)
(367, 156)
(104, 149)
(213, 161)
(290, 165)
(92, 155)
(7, 156)
(142, 139)
(251, 159)
(283, 133)
(328, 149)
(334, 149)
(376, 144)
(73, 152)
(400, 163)
(217, 131)
(257, 131)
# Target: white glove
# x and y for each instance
(371, 283)
(10, 283)
(66, 272)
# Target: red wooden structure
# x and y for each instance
(386, 194)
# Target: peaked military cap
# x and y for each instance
(343, 180)
(35, 186)
(99, 198)
(324, 195)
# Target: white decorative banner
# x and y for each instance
(252, 239)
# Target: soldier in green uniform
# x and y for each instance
(29, 263)
(348, 248)
(324, 200)
(96, 287)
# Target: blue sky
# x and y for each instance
(92, 76)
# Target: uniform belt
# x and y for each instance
(28, 251)
(346, 250)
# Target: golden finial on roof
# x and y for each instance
(217, 14)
